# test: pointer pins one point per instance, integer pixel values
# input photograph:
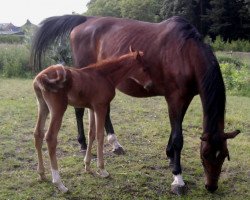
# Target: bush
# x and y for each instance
(12, 39)
(236, 77)
(14, 60)
(235, 45)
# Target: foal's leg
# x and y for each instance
(100, 113)
(112, 139)
(177, 106)
(51, 139)
(92, 131)
(39, 133)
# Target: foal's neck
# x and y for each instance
(116, 70)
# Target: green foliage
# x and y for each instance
(11, 39)
(104, 8)
(236, 45)
(14, 61)
(236, 76)
(147, 10)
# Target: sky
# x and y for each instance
(18, 11)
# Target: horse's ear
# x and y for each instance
(231, 134)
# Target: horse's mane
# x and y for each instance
(214, 93)
(212, 85)
(183, 30)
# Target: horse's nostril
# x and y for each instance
(211, 188)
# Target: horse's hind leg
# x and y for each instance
(177, 106)
(39, 132)
(79, 112)
(112, 139)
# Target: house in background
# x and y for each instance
(10, 29)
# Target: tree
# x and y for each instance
(230, 19)
(104, 8)
(147, 10)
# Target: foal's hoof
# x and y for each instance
(102, 173)
(61, 187)
(179, 190)
(119, 151)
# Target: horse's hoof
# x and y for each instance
(102, 173)
(179, 190)
(119, 151)
(42, 177)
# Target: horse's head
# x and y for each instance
(213, 153)
(141, 75)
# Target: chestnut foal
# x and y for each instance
(93, 87)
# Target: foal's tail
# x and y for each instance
(50, 31)
(53, 79)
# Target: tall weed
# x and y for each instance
(14, 60)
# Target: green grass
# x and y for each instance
(142, 126)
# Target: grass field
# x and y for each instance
(142, 173)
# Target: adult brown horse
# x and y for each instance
(180, 64)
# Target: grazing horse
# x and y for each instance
(180, 64)
(94, 87)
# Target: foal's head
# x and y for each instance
(141, 75)
(213, 153)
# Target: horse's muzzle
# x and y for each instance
(211, 188)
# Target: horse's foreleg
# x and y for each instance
(39, 135)
(92, 131)
(177, 106)
(51, 139)
(112, 139)
(79, 112)
(100, 113)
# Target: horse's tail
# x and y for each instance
(51, 30)
(53, 79)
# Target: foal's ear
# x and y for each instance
(139, 55)
(131, 49)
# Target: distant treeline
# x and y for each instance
(228, 18)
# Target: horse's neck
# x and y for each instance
(117, 71)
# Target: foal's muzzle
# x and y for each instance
(148, 85)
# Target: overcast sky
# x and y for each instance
(18, 11)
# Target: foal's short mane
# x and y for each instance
(106, 63)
